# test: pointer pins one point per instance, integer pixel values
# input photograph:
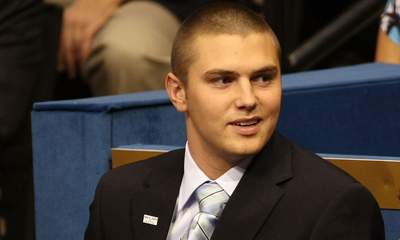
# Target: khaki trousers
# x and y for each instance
(131, 52)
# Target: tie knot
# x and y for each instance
(211, 198)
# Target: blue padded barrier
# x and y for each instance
(351, 110)
(70, 155)
(72, 142)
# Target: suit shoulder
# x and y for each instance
(314, 171)
(135, 172)
(320, 182)
(314, 165)
(317, 196)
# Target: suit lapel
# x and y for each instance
(257, 193)
(157, 199)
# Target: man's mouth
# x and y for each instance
(246, 122)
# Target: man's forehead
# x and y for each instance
(206, 43)
(212, 37)
(220, 51)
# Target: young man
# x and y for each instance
(237, 178)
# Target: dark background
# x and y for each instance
(297, 21)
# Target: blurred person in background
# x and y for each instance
(22, 82)
(120, 46)
(388, 46)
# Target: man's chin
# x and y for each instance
(244, 151)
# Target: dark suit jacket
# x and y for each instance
(286, 193)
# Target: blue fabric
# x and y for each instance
(389, 20)
(364, 74)
(107, 103)
(352, 110)
(71, 152)
(392, 224)
(394, 35)
(155, 124)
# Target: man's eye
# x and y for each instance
(263, 79)
(222, 81)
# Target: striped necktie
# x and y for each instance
(212, 200)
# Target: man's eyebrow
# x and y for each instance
(271, 69)
(220, 72)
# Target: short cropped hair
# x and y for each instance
(215, 18)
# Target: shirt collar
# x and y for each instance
(193, 177)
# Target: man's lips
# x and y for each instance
(245, 122)
(246, 126)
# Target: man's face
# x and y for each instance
(233, 94)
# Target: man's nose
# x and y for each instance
(246, 99)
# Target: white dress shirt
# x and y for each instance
(186, 205)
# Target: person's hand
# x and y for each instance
(81, 21)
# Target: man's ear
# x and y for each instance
(176, 92)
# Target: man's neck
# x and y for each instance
(214, 170)
(212, 165)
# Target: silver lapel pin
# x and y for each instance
(148, 219)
